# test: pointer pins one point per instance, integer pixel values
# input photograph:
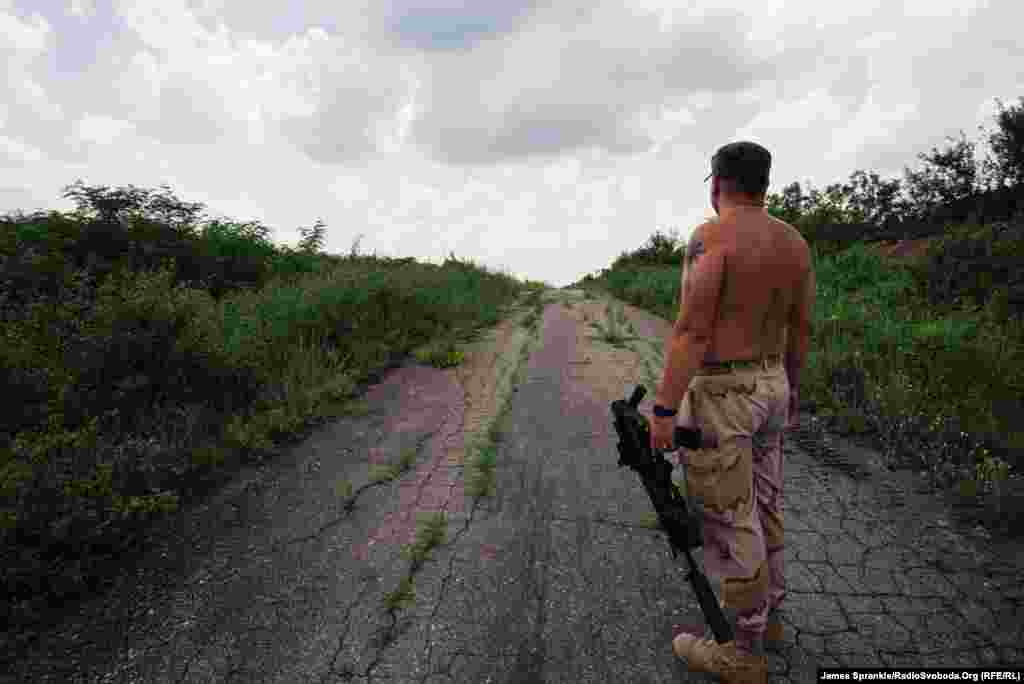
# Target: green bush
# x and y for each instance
(146, 354)
(933, 379)
(971, 263)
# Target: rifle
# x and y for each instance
(684, 530)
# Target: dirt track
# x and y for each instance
(553, 579)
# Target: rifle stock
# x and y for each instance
(684, 532)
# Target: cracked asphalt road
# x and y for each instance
(553, 579)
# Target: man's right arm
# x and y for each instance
(798, 337)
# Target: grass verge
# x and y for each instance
(143, 388)
(934, 388)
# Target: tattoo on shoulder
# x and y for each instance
(695, 248)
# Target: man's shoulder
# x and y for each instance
(795, 236)
(788, 227)
(708, 231)
(714, 229)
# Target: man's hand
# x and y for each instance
(663, 433)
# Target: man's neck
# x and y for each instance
(726, 210)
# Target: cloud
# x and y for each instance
(15, 152)
(29, 114)
(187, 83)
(191, 112)
(101, 130)
(543, 137)
(82, 8)
(578, 78)
(453, 24)
(24, 38)
(356, 98)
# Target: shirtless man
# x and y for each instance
(732, 369)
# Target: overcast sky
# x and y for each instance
(543, 138)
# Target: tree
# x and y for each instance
(945, 184)
(354, 252)
(660, 249)
(828, 207)
(110, 206)
(1006, 168)
(878, 201)
(950, 188)
(787, 206)
(953, 188)
(312, 241)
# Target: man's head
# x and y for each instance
(739, 173)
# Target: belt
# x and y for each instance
(719, 367)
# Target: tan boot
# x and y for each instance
(725, 660)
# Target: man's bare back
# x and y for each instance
(766, 260)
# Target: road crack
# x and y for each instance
(350, 503)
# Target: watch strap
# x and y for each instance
(663, 412)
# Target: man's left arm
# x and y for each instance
(698, 309)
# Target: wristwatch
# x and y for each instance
(663, 412)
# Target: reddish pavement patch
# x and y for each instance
(903, 249)
(430, 402)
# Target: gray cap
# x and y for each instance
(746, 160)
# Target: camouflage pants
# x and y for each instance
(738, 486)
